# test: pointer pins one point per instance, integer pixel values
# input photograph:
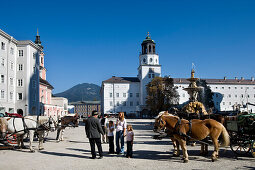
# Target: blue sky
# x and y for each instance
(90, 41)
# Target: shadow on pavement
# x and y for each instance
(64, 154)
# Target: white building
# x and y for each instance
(22, 73)
(128, 94)
(229, 94)
(19, 73)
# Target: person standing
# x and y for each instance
(93, 129)
(104, 122)
(130, 139)
(121, 126)
(110, 136)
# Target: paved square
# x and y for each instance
(74, 153)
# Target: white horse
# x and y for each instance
(30, 124)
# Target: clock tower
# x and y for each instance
(149, 66)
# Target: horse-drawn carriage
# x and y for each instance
(242, 132)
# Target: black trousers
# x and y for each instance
(129, 148)
(111, 144)
(96, 141)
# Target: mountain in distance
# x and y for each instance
(81, 92)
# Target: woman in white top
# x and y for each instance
(121, 126)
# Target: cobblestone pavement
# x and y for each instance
(74, 153)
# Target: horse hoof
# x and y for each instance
(185, 161)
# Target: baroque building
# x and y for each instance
(128, 94)
(23, 85)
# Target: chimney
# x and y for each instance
(252, 78)
(235, 78)
(225, 78)
(242, 78)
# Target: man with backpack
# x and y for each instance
(104, 122)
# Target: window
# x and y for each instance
(137, 103)
(223, 103)
(216, 87)
(242, 95)
(153, 75)
(117, 95)
(20, 53)
(2, 62)
(11, 95)
(241, 87)
(131, 94)
(12, 64)
(110, 94)
(124, 95)
(42, 60)
(131, 103)
(11, 81)
(149, 75)
(34, 83)
(124, 103)
(229, 95)
(137, 94)
(248, 96)
(118, 103)
(229, 88)
(235, 87)
(11, 51)
(2, 94)
(19, 96)
(247, 87)
(151, 60)
(235, 96)
(20, 67)
(183, 95)
(229, 103)
(34, 55)
(20, 82)
(2, 78)
(222, 87)
(3, 46)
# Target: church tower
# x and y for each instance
(149, 67)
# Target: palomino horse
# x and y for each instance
(64, 122)
(30, 124)
(199, 130)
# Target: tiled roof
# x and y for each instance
(85, 102)
(121, 80)
(218, 81)
(45, 82)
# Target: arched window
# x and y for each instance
(151, 60)
(149, 48)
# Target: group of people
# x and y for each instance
(95, 128)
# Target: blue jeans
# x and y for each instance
(119, 139)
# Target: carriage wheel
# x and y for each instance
(253, 149)
(239, 145)
(12, 139)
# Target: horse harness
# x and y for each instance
(178, 132)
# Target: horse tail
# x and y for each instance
(225, 137)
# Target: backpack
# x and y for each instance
(102, 121)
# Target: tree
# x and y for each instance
(161, 94)
(205, 96)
